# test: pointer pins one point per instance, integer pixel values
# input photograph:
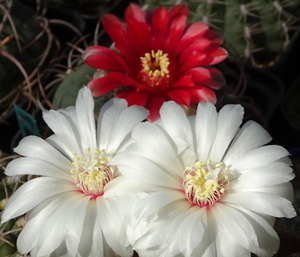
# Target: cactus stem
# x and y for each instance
(209, 20)
(246, 11)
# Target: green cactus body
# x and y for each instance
(253, 30)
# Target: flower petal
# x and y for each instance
(259, 157)
(127, 121)
(237, 226)
(116, 122)
(35, 147)
(85, 118)
(159, 150)
(155, 202)
(159, 26)
(91, 241)
(100, 57)
(249, 137)
(194, 31)
(154, 108)
(33, 193)
(32, 166)
(206, 129)
(103, 85)
(74, 223)
(52, 233)
(138, 168)
(176, 123)
(137, 98)
(62, 124)
(108, 117)
(263, 203)
(264, 176)
(180, 96)
(229, 119)
(29, 235)
(267, 238)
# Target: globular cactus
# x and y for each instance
(255, 30)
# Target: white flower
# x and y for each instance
(71, 212)
(213, 187)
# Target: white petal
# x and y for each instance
(259, 157)
(122, 186)
(27, 165)
(268, 175)
(127, 121)
(206, 128)
(249, 137)
(74, 223)
(85, 118)
(144, 170)
(176, 122)
(237, 226)
(33, 193)
(37, 218)
(192, 231)
(37, 148)
(267, 238)
(229, 119)
(107, 223)
(155, 146)
(156, 201)
(284, 190)
(57, 143)
(64, 128)
(53, 231)
(91, 241)
(262, 203)
(108, 116)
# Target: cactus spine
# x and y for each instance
(254, 30)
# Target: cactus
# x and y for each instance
(253, 30)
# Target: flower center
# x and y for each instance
(92, 172)
(155, 68)
(205, 183)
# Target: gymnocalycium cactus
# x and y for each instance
(255, 30)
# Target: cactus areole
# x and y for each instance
(157, 57)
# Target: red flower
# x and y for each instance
(160, 58)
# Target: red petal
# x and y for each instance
(198, 74)
(199, 45)
(124, 94)
(133, 11)
(103, 85)
(214, 36)
(118, 34)
(123, 79)
(140, 36)
(213, 55)
(159, 27)
(100, 57)
(180, 9)
(154, 108)
(137, 98)
(180, 96)
(196, 59)
(209, 77)
(184, 81)
(176, 29)
(203, 94)
(194, 31)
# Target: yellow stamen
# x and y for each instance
(156, 64)
(204, 183)
(92, 172)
